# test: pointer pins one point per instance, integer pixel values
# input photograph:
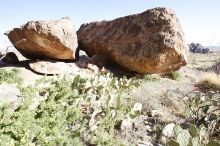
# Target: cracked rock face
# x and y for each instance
(149, 42)
(52, 39)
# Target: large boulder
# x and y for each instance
(52, 39)
(150, 42)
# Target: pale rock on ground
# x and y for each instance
(29, 77)
(53, 67)
(168, 130)
(9, 94)
(126, 125)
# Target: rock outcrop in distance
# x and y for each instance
(52, 39)
(198, 48)
(149, 42)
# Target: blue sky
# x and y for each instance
(200, 19)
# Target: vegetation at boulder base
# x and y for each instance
(72, 110)
(174, 75)
(10, 76)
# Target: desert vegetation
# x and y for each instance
(67, 110)
(210, 80)
(99, 110)
(127, 81)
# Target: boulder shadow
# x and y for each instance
(21, 64)
(81, 62)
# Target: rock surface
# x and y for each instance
(198, 48)
(126, 124)
(150, 42)
(10, 94)
(168, 130)
(52, 39)
(51, 67)
(11, 57)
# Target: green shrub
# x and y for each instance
(150, 78)
(10, 76)
(204, 111)
(68, 111)
(192, 136)
(174, 75)
(204, 120)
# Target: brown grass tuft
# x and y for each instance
(210, 80)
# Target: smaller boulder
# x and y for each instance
(52, 39)
(11, 57)
(205, 51)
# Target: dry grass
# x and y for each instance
(197, 60)
(210, 80)
(162, 96)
